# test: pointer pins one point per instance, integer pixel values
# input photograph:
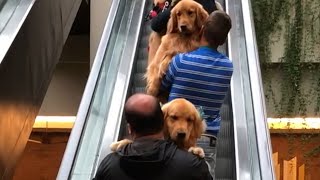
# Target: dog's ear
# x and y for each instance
(199, 126)
(165, 111)
(172, 25)
(202, 16)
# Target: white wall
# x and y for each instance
(99, 10)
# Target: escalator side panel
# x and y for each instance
(25, 73)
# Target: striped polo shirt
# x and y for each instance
(202, 77)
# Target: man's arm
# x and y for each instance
(159, 23)
(200, 170)
(102, 172)
(168, 78)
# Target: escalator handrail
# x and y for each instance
(75, 136)
(241, 139)
(262, 131)
(124, 76)
(13, 25)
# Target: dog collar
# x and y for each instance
(201, 112)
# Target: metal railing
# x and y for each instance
(12, 15)
(100, 113)
(252, 141)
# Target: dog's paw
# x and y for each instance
(197, 151)
(117, 145)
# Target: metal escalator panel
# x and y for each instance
(252, 141)
(99, 116)
(12, 15)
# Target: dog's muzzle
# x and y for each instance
(181, 135)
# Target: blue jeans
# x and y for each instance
(210, 153)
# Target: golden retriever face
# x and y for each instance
(182, 122)
(186, 17)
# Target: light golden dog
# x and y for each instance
(155, 38)
(183, 35)
(182, 124)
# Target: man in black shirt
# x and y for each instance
(150, 156)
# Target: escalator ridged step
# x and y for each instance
(139, 80)
(141, 66)
(142, 58)
(223, 169)
(225, 163)
(139, 89)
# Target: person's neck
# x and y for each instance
(159, 136)
(203, 42)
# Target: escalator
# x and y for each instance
(243, 146)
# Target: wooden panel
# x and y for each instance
(290, 169)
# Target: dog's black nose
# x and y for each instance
(181, 135)
(183, 27)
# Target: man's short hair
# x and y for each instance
(144, 114)
(217, 27)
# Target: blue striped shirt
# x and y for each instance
(202, 77)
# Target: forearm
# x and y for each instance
(159, 23)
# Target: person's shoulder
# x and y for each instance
(187, 159)
(224, 59)
(106, 164)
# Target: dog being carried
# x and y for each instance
(182, 124)
(183, 35)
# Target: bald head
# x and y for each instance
(144, 114)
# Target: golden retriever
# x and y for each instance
(182, 124)
(155, 38)
(183, 35)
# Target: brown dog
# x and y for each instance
(183, 35)
(182, 124)
(155, 38)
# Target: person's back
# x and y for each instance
(147, 159)
(149, 156)
(203, 76)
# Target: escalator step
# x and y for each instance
(143, 54)
(144, 42)
(139, 80)
(225, 162)
(139, 90)
(141, 66)
(221, 171)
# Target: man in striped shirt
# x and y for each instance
(203, 76)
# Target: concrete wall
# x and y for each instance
(99, 10)
(310, 55)
(25, 74)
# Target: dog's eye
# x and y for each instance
(178, 14)
(174, 117)
(189, 120)
(190, 13)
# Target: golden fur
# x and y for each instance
(155, 38)
(180, 116)
(154, 43)
(192, 16)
